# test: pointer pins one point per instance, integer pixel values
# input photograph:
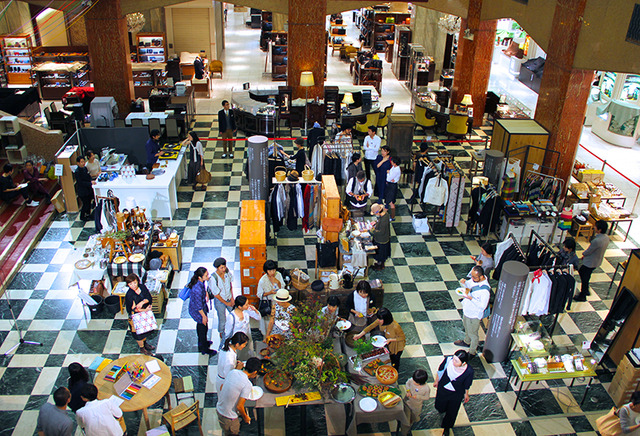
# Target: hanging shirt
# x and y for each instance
(537, 294)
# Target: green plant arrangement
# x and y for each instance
(307, 353)
(362, 346)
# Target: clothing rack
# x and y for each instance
(547, 268)
(517, 245)
(430, 164)
(545, 243)
(546, 176)
(341, 148)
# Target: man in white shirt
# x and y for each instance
(220, 284)
(474, 303)
(391, 188)
(99, 417)
(234, 393)
(371, 146)
(359, 190)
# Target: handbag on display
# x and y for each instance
(144, 322)
(609, 424)
(264, 307)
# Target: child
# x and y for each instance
(391, 189)
(568, 254)
(331, 309)
(417, 392)
(485, 260)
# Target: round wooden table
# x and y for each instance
(144, 397)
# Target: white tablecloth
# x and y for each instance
(145, 116)
(92, 273)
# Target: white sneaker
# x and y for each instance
(33, 203)
(224, 155)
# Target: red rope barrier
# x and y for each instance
(606, 163)
(244, 139)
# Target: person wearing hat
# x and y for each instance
(221, 292)
(282, 311)
(381, 233)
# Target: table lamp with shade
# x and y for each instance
(467, 103)
(306, 80)
(347, 100)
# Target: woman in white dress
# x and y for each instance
(228, 357)
(281, 315)
(238, 321)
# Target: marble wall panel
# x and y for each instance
(307, 45)
(108, 43)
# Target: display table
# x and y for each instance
(158, 196)
(144, 397)
(377, 294)
(94, 272)
(146, 116)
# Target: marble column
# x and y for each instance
(473, 60)
(109, 48)
(562, 100)
(307, 45)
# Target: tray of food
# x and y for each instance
(381, 353)
(135, 258)
(266, 366)
(277, 381)
(375, 390)
(274, 341)
(298, 398)
(83, 264)
(119, 259)
(371, 367)
(389, 399)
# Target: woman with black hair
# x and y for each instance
(268, 285)
(452, 382)
(358, 304)
(228, 357)
(199, 309)
(138, 299)
(196, 157)
(392, 332)
(238, 320)
(78, 378)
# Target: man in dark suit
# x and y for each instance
(198, 66)
(84, 188)
(227, 128)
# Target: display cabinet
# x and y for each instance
(367, 76)
(267, 28)
(279, 56)
(55, 79)
(147, 77)
(631, 88)
(332, 102)
(379, 27)
(151, 47)
(16, 54)
(401, 52)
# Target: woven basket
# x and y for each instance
(298, 282)
(281, 176)
(307, 174)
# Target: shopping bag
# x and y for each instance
(420, 225)
(144, 322)
(609, 424)
(185, 293)
(203, 177)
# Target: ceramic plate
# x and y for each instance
(256, 393)
(461, 291)
(536, 345)
(120, 259)
(83, 264)
(343, 325)
(378, 341)
(368, 404)
(135, 258)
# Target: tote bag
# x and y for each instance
(609, 424)
(144, 322)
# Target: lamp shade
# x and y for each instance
(306, 78)
(466, 100)
(348, 98)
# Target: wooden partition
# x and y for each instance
(627, 337)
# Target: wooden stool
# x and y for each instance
(585, 230)
(477, 164)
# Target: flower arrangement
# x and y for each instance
(307, 353)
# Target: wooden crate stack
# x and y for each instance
(330, 209)
(253, 246)
(625, 381)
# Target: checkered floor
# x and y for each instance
(419, 282)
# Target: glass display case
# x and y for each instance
(631, 88)
(607, 82)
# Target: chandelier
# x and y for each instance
(135, 22)
(449, 24)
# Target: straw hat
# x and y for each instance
(282, 296)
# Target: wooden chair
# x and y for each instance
(422, 119)
(119, 123)
(383, 121)
(53, 107)
(173, 132)
(154, 124)
(215, 67)
(372, 120)
(458, 125)
(136, 122)
(181, 416)
(183, 388)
